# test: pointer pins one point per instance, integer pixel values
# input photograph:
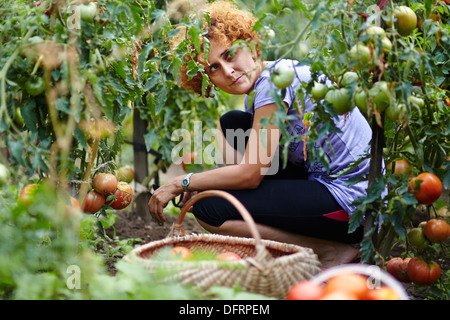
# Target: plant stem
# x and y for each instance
(376, 161)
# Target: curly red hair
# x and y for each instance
(227, 25)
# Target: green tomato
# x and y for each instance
(362, 56)
(416, 237)
(349, 78)
(380, 95)
(396, 111)
(387, 44)
(361, 101)
(374, 31)
(340, 100)
(319, 90)
(88, 11)
(302, 50)
(4, 174)
(419, 102)
(283, 76)
(35, 86)
(268, 33)
(406, 20)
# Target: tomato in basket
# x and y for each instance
(228, 256)
(181, 252)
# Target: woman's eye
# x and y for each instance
(213, 67)
(229, 56)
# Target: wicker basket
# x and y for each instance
(267, 267)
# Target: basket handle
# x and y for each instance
(234, 201)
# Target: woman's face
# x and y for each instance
(234, 74)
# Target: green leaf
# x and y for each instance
(28, 113)
(150, 138)
(62, 104)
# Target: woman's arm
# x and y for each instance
(261, 148)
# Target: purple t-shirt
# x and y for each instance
(348, 145)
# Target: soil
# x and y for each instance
(131, 226)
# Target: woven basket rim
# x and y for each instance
(287, 249)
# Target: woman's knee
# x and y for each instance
(214, 211)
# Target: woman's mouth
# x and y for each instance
(237, 80)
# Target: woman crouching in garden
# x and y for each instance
(302, 203)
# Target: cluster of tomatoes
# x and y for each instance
(107, 188)
(184, 253)
(426, 188)
(417, 269)
(344, 286)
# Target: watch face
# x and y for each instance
(185, 182)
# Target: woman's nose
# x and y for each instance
(228, 69)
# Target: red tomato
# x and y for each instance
(398, 268)
(429, 189)
(122, 196)
(437, 230)
(181, 252)
(92, 202)
(228, 256)
(422, 273)
(26, 196)
(105, 183)
(305, 290)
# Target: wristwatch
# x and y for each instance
(186, 181)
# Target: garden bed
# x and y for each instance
(132, 226)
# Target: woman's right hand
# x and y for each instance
(186, 197)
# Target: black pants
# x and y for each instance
(286, 200)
